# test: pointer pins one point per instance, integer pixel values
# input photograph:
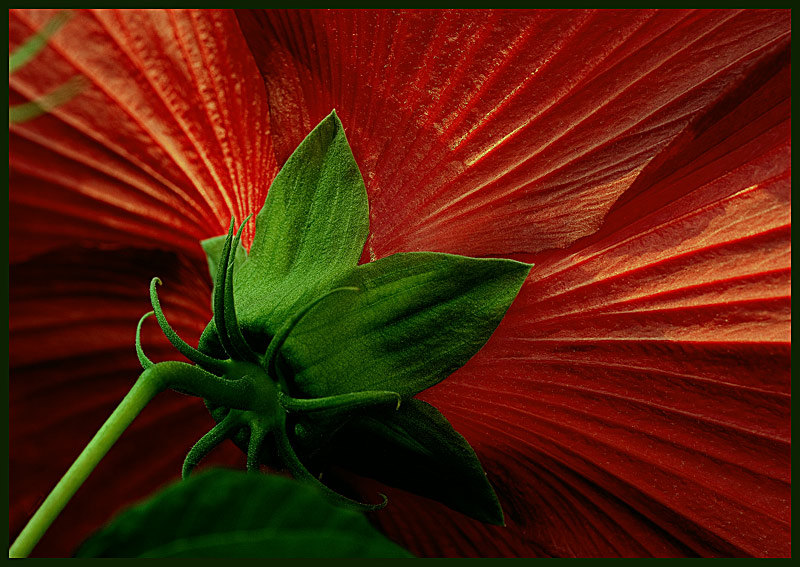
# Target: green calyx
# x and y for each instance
(313, 360)
(245, 383)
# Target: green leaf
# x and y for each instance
(312, 228)
(416, 449)
(420, 317)
(213, 249)
(223, 513)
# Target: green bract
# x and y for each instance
(311, 359)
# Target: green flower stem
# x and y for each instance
(181, 376)
(144, 390)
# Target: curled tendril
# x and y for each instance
(225, 320)
(37, 42)
(23, 54)
(143, 360)
(207, 362)
(44, 104)
(219, 293)
(232, 330)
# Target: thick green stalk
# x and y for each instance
(148, 385)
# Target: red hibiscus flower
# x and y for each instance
(635, 401)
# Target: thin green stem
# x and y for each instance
(32, 109)
(145, 388)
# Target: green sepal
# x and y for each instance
(209, 342)
(419, 317)
(224, 513)
(416, 449)
(312, 228)
(213, 249)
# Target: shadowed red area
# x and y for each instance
(636, 399)
(73, 321)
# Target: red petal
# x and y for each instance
(636, 399)
(489, 133)
(640, 386)
(73, 319)
(169, 138)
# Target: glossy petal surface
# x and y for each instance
(490, 133)
(640, 385)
